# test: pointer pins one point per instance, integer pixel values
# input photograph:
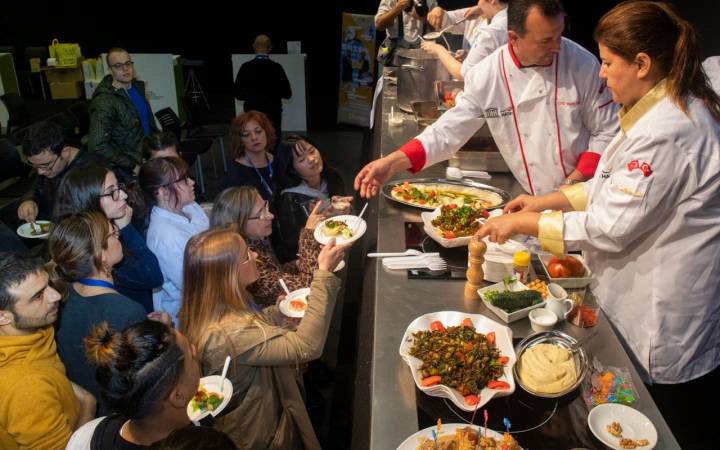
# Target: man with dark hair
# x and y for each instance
(549, 112)
(39, 406)
(48, 151)
(120, 116)
(161, 144)
(262, 83)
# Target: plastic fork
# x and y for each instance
(432, 265)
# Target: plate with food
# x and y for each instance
(455, 436)
(452, 225)
(433, 342)
(620, 427)
(344, 229)
(39, 229)
(295, 303)
(210, 398)
(569, 271)
(429, 193)
(511, 300)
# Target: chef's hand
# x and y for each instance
(522, 202)
(474, 11)
(27, 211)
(436, 17)
(432, 47)
(500, 229)
(315, 217)
(376, 173)
(331, 255)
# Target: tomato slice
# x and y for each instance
(437, 326)
(467, 322)
(497, 384)
(422, 202)
(504, 360)
(430, 381)
(471, 399)
(485, 213)
(468, 347)
(490, 337)
(448, 235)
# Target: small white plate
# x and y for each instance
(504, 315)
(284, 305)
(634, 425)
(211, 383)
(25, 230)
(358, 228)
(503, 341)
(436, 235)
(448, 429)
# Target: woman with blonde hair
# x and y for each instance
(253, 141)
(219, 318)
(244, 208)
(650, 213)
(84, 248)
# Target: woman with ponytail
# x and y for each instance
(84, 248)
(648, 221)
(146, 375)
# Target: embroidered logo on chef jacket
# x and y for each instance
(605, 174)
(491, 113)
(506, 112)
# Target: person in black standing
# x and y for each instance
(262, 83)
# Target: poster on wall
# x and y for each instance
(357, 66)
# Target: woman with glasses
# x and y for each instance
(244, 208)
(84, 248)
(95, 188)
(304, 179)
(218, 317)
(175, 218)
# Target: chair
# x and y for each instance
(190, 150)
(198, 126)
(18, 112)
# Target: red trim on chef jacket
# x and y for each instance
(415, 152)
(517, 61)
(587, 163)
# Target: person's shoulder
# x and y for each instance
(579, 56)
(81, 438)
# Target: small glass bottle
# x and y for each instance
(521, 266)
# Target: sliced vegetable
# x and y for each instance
(490, 337)
(437, 326)
(471, 399)
(467, 322)
(430, 381)
(504, 360)
(497, 384)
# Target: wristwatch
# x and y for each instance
(568, 181)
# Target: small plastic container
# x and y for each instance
(521, 266)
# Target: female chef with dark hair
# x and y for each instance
(649, 221)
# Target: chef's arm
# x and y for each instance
(385, 18)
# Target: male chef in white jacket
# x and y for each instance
(548, 111)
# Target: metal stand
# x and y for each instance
(192, 85)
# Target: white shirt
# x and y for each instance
(488, 37)
(82, 437)
(167, 237)
(651, 235)
(542, 118)
(412, 27)
(468, 29)
(711, 66)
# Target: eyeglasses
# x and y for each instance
(126, 64)
(115, 192)
(45, 166)
(264, 214)
(184, 177)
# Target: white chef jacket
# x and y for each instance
(651, 235)
(412, 27)
(167, 236)
(468, 28)
(543, 119)
(711, 66)
(488, 37)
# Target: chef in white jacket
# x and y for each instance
(483, 34)
(548, 111)
(649, 221)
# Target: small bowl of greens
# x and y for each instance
(510, 300)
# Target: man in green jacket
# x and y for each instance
(120, 116)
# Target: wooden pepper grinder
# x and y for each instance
(475, 274)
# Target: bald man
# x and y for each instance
(261, 83)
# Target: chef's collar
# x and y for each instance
(628, 118)
(517, 61)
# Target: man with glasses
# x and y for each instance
(46, 150)
(120, 116)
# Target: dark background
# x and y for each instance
(212, 30)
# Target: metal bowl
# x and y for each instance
(557, 338)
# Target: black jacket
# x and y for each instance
(261, 83)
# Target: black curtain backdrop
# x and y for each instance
(211, 30)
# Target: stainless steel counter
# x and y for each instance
(386, 410)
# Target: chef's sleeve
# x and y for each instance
(643, 189)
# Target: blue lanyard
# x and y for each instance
(94, 282)
(262, 57)
(262, 179)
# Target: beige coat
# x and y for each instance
(267, 410)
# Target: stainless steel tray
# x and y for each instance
(387, 190)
